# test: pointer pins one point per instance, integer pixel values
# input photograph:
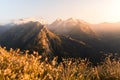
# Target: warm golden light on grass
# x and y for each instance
(15, 65)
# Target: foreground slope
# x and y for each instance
(15, 65)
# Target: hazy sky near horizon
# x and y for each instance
(93, 11)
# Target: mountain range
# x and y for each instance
(62, 38)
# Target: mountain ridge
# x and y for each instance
(34, 36)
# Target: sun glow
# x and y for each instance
(113, 12)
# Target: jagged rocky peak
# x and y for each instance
(58, 19)
(71, 26)
(72, 20)
(44, 28)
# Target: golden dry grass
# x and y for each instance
(16, 65)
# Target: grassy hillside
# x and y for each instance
(17, 65)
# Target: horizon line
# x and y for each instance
(41, 20)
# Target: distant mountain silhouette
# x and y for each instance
(109, 34)
(5, 27)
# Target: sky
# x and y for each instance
(92, 11)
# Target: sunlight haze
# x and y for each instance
(92, 11)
